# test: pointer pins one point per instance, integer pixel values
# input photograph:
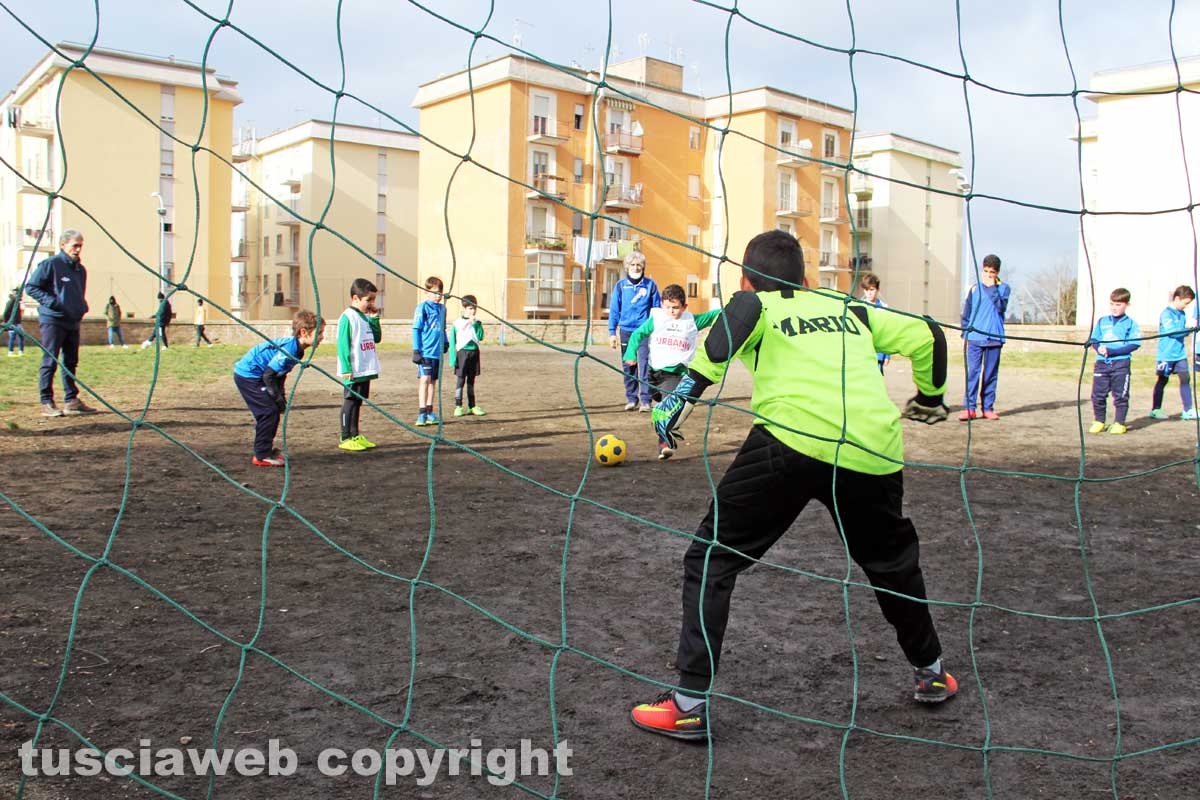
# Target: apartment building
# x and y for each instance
(907, 222)
(1138, 184)
(101, 138)
(359, 183)
(537, 180)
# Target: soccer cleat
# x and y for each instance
(1157, 413)
(432, 419)
(990, 415)
(145, 345)
(273, 460)
(934, 687)
(665, 451)
(631, 406)
(1097, 427)
(967, 414)
(421, 419)
(352, 444)
(478, 412)
(75, 407)
(1116, 429)
(12, 354)
(51, 410)
(365, 442)
(1189, 414)
(458, 411)
(664, 717)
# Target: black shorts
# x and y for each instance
(429, 368)
(467, 364)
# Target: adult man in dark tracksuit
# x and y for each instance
(59, 284)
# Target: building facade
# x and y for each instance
(102, 140)
(364, 196)
(907, 222)
(563, 177)
(1138, 181)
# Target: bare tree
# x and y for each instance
(1052, 292)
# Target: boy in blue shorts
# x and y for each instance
(1170, 357)
(1114, 338)
(260, 374)
(429, 342)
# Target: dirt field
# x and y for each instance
(304, 605)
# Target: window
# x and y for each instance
(578, 170)
(266, 247)
(787, 134)
(693, 138)
(619, 120)
(279, 281)
(381, 244)
(541, 164)
(381, 169)
(279, 244)
(693, 239)
(544, 272)
(577, 224)
(786, 227)
(787, 190)
(541, 111)
(576, 280)
(830, 144)
(167, 103)
(579, 116)
(693, 285)
(694, 187)
(166, 168)
(381, 204)
(829, 202)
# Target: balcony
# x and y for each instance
(794, 208)
(42, 128)
(31, 181)
(290, 212)
(797, 156)
(239, 203)
(29, 240)
(240, 251)
(621, 143)
(834, 165)
(287, 259)
(548, 131)
(861, 185)
(833, 214)
(546, 185)
(624, 196)
(540, 240)
(833, 262)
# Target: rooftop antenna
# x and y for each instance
(643, 41)
(516, 37)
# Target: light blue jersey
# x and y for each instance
(278, 355)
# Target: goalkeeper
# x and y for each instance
(813, 358)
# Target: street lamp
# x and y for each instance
(162, 252)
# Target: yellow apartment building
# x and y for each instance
(908, 222)
(535, 181)
(101, 139)
(365, 199)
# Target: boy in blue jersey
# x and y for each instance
(1114, 338)
(1170, 357)
(632, 298)
(429, 342)
(983, 331)
(869, 284)
(259, 376)
(358, 360)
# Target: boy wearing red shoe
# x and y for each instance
(803, 348)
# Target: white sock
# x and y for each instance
(687, 703)
(935, 666)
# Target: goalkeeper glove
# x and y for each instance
(416, 357)
(925, 408)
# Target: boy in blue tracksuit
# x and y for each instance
(1114, 338)
(983, 330)
(632, 298)
(429, 342)
(1170, 357)
(259, 376)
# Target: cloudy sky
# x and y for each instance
(1018, 147)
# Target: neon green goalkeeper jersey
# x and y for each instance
(813, 358)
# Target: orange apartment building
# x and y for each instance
(536, 180)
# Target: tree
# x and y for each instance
(1052, 292)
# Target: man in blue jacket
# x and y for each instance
(59, 284)
(632, 298)
(983, 329)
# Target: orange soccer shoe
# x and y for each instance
(934, 687)
(663, 716)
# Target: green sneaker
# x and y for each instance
(1189, 414)
(458, 411)
(479, 412)
(352, 444)
(367, 445)
(1157, 413)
